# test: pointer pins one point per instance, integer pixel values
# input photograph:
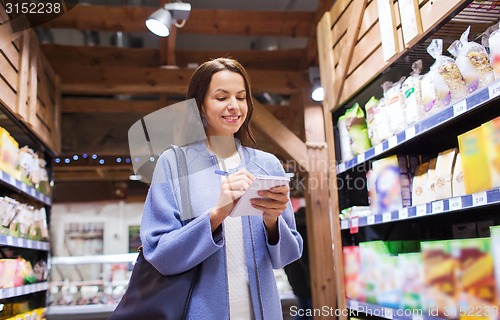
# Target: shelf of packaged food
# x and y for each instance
(474, 101)
(22, 290)
(91, 311)
(479, 199)
(23, 243)
(24, 188)
(389, 313)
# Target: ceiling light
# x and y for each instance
(317, 94)
(160, 21)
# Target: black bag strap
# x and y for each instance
(182, 175)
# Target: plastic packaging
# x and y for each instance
(445, 77)
(345, 141)
(494, 43)
(394, 105)
(412, 90)
(472, 60)
(357, 129)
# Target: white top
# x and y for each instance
(240, 302)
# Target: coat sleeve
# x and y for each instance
(289, 245)
(168, 244)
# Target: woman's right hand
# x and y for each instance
(232, 188)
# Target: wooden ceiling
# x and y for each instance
(106, 89)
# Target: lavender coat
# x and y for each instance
(173, 248)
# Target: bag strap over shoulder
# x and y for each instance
(182, 174)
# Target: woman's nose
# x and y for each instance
(233, 103)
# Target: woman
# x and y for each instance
(237, 255)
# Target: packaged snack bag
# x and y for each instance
(345, 141)
(472, 60)
(394, 105)
(491, 39)
(449, 85)
(356, 127)
(376, 119)
(412, 91)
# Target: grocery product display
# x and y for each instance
(422, 247)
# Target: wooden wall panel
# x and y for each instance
(9, 73)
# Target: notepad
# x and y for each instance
(244, 207)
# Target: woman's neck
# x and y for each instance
(222, 146)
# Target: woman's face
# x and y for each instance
(225, 104)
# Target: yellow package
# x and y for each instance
(473, 152)
(491, 132)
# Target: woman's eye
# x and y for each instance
(241, 98)
(220, 99)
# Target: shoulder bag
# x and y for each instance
(150, 294)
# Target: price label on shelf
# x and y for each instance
(459, 108)
(370, 219)
(24, 187)
(479, 199)
(341, 167)
(32, 191)
(421, 210)
(494, 90)
(417, 316)
(455, 203)
(388, 313)
(386, 216)
(403, 213)
(354, 225)
(393, 141)
(12, 180)
(437, 206)
(379, 148)
(410, 133)
(10, 241)
(344, 224)
(354, 305)
(361, 157)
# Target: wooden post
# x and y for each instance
(318, 217)
(22, 80)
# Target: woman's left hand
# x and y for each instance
(272, 204)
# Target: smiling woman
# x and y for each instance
(235, 255)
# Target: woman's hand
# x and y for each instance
(232, 188)
(272, 205)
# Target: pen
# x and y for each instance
(221, 172)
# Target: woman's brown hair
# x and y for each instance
(198, 87)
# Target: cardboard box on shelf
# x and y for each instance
(457, 184)
(9, 154)
(473, 151)
(475, 277)
(495, 251)
(444, 174)
(411, 279)
(386, 179)
(430, 183)
(352, 267)
(419, 189)
(439, 279)
(491, 132)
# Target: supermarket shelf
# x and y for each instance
(110, 258)
(24, 243)
(388, 313)
(475, 101)
(22, 290)
(12, 182)
(93, 311)
(479, 199)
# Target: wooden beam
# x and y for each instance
(286, 59)
(285, 141)
(311, 56)
(92, 105)
(318, 211)
(129, 80)
(201, 21)
(61, 55)
(91, 173)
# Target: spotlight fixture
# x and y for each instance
(160, 21)
(317, 94)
